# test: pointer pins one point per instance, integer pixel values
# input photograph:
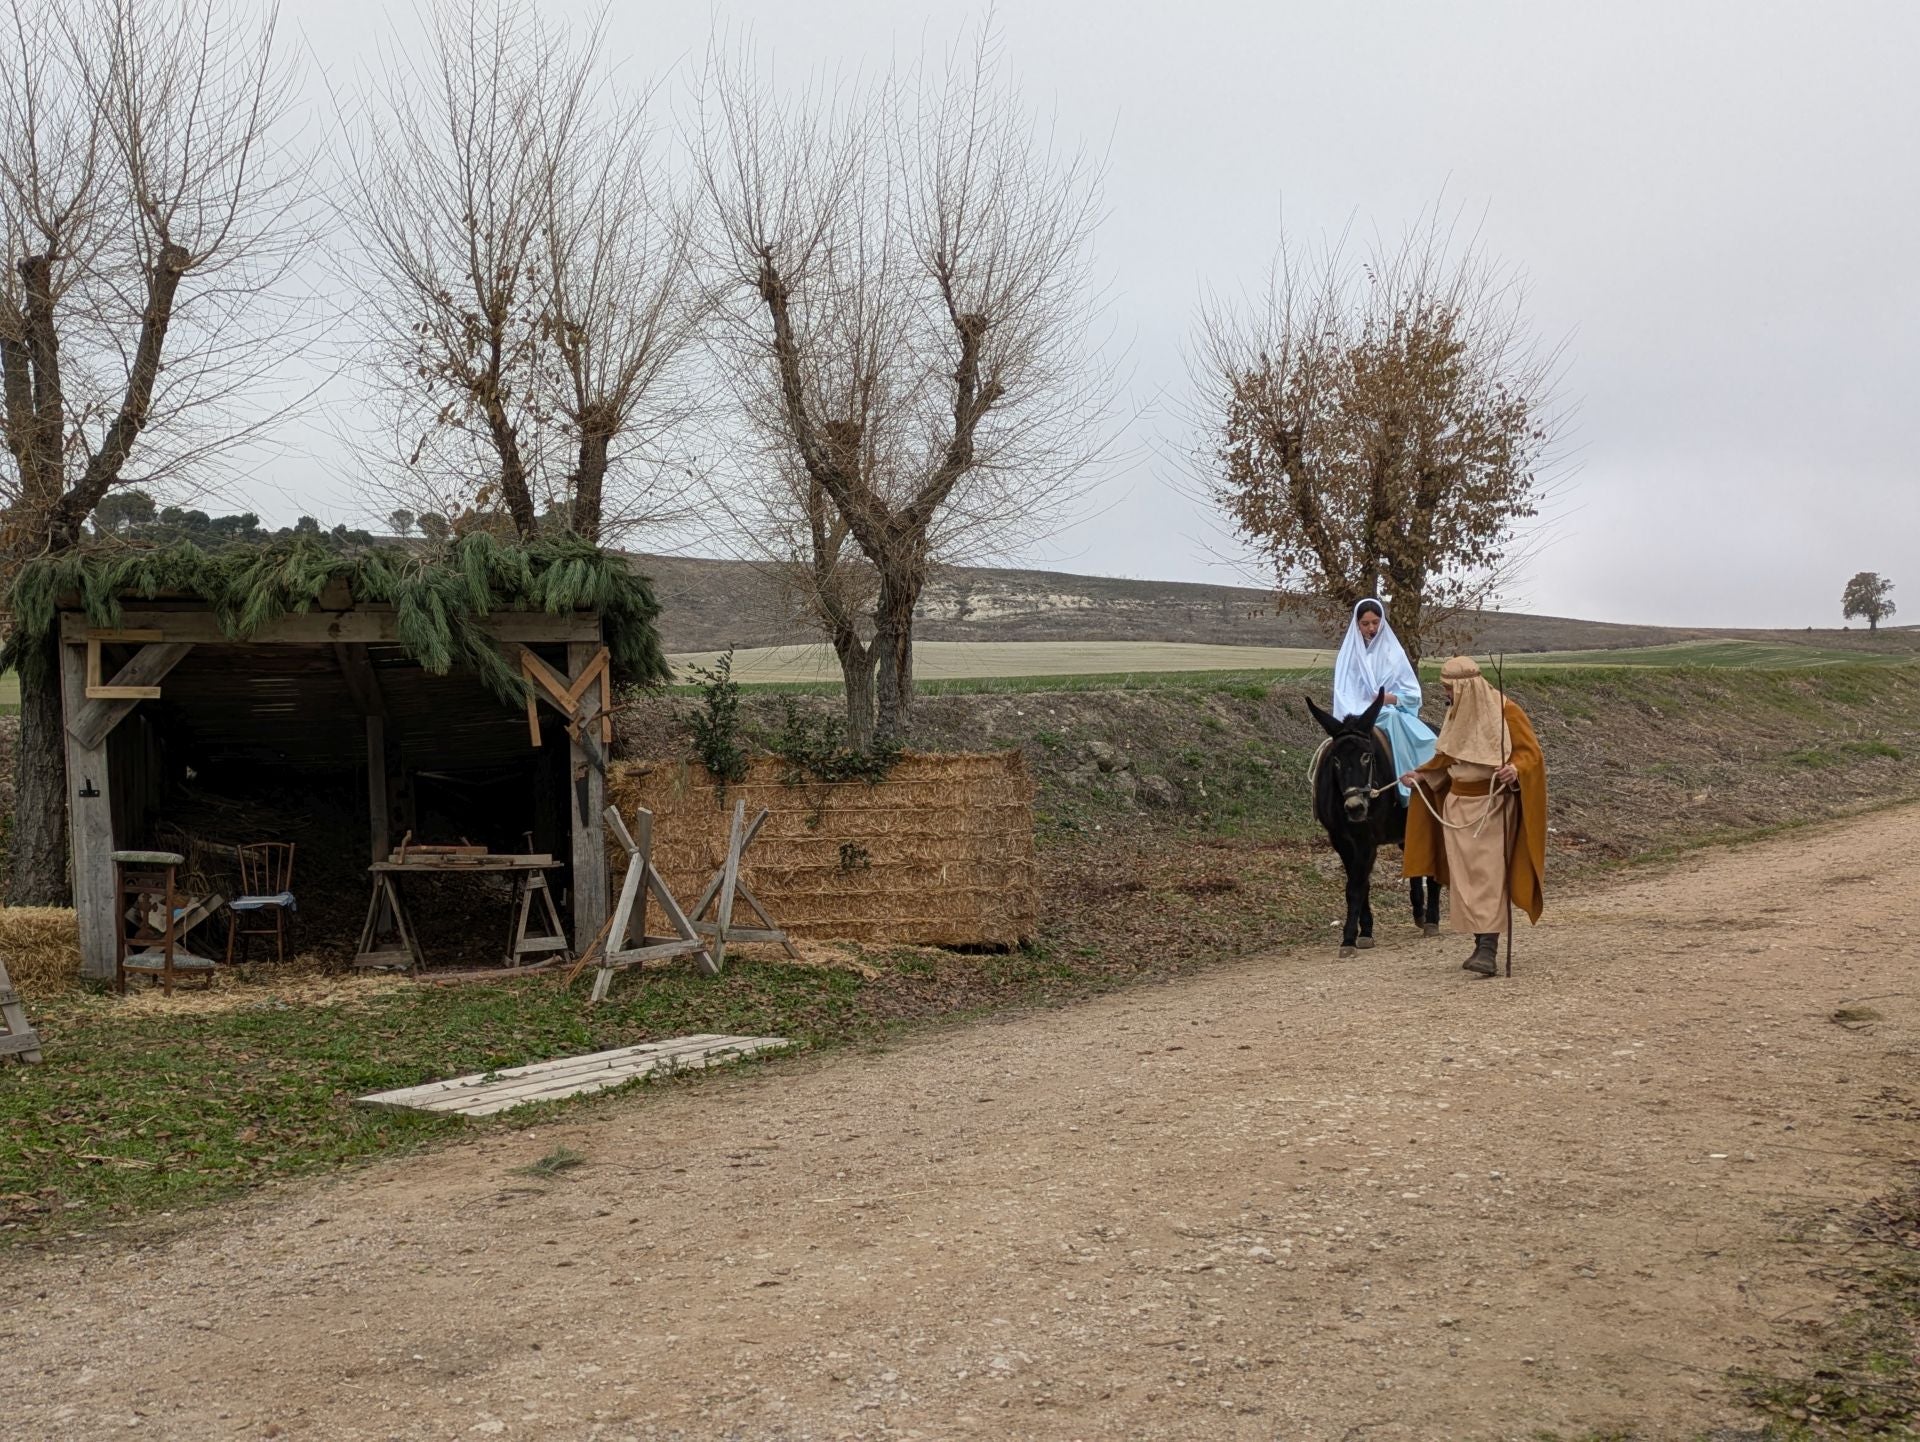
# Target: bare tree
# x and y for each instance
(148, 220)
(522, 263)
(906, 299)
(1382, 426)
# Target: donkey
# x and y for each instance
(1356, 797)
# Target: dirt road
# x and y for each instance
(1291, 1198)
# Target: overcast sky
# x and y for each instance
(1718, 205)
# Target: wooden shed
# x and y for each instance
(381, 669)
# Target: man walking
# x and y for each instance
(1478, 820)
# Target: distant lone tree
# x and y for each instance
(401, 520)
(1380, 426)
(1868, 595)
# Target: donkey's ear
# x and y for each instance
(1327, 723)
(1372, 713)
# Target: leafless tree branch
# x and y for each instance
(522, 262)
(904, 304)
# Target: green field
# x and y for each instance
(1750, 655)
(967, 666)
(981, 660)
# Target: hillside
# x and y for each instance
(710, 605)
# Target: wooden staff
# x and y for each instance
(1506, 826)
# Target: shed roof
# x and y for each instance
(442, 609)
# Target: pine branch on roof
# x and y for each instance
(438, 596)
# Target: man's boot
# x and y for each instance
(1485, 960)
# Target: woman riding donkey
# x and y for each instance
(1480, 824)
(1374, 734)
(1373, 664)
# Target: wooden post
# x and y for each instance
(363, 684)
(729, 879)
(89, 825)
(587, 798)
(377, 787)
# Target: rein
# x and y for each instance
(1476, 827)
(1493, 794)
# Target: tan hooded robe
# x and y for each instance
(1494, 843)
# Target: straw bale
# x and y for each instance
(942, 850)
(41, 947)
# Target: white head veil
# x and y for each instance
(1365, 668)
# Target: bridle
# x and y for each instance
(1369, 790)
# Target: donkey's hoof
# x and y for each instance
(1431, 928)
(1365, 943)
(1349, 951)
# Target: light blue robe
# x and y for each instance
(1411, 738)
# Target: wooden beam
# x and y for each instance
(378, 823)
(588, 798)
(362, 684)
(91, 721)
(566, 694)
(729, 878)
(360, 626)
(90, 819)
(97, 687)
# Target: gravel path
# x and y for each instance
(1290, 1198)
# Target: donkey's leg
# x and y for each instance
(1364, 901)
(1350, 859)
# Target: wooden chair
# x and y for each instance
(148, 928)
(266, 886)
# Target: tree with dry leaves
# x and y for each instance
(148, 220)
(521, 261)
(1382, 426)
(905, 305)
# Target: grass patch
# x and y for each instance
(1866, 1381)
(132, 1115)
(1873, 748)
(1244, 690)
(556, 1163)
(1820, 758)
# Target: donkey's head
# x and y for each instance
(1358, 768)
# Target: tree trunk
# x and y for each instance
(893, 643)
(856, 673)
(589, 482)
(1873, 623)
(38, 854)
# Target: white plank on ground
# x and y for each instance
(481, 1094)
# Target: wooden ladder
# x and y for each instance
(19, 1039)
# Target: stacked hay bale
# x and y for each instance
(940, 853)
(41, 948)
